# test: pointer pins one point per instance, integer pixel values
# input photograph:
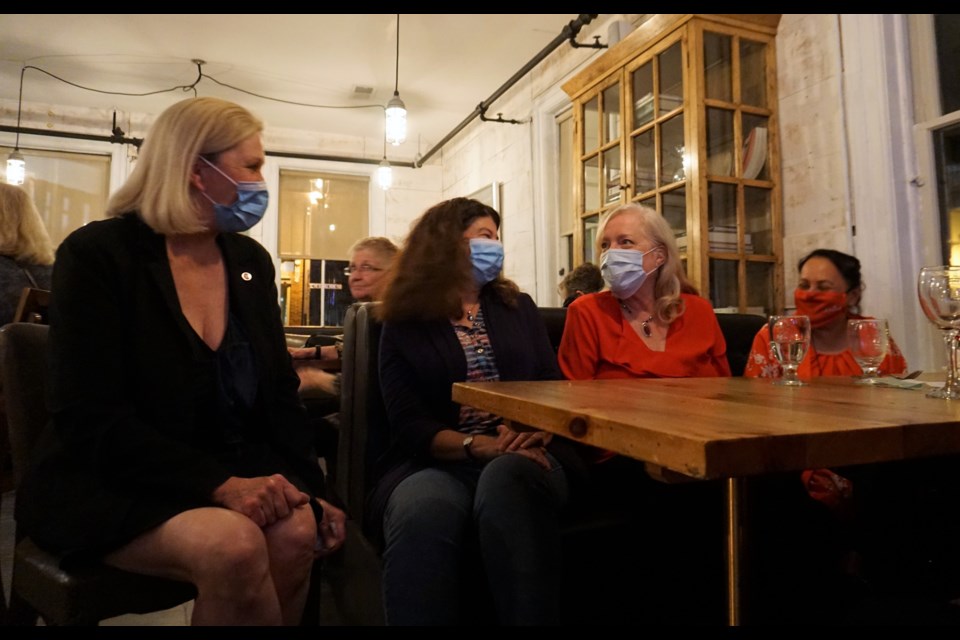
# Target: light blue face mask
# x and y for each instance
(487, 258)
(622, 269)
(248, 210)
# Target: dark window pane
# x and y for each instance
(947, 145)
(947, 29)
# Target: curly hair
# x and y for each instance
(433, 267)
(586, 278)
(671, 278)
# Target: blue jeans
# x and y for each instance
(510, 507)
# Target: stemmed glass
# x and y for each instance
(868, 340)
(939, 292)
(789, 341)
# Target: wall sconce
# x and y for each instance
(396, 111)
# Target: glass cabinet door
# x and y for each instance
(601, 160)
(740, 233)
(658, 149)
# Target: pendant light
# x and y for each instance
(16, 166)
(396, 111)
(385, 171)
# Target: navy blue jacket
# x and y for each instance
(419, 362)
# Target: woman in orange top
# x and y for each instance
(829, 292)
(650, 323)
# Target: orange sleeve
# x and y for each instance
(760, 364)
(579, 351)
(894, 362)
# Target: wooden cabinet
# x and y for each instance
(681, 115)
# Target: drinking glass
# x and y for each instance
(789, 341)
(939, 292)
(868, 340)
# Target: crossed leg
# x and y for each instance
(244, 575)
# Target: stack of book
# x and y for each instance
(722, 239)
(613, 185)
(643, 106)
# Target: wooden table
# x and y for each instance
(730, 428)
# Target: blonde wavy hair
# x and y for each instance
(23, 236)
(671, 280)
(159, 186)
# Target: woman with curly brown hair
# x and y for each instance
(457, 485)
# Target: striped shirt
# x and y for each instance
(481, 367)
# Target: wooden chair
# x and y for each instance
(32, 306)
(39, 585)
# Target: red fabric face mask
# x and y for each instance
(822, 307)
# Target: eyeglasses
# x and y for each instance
(363, 268)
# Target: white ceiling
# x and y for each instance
(448, 64)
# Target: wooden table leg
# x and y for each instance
(734, 522)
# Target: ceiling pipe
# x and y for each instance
(568, 33)
(116, 139)
(120, 139)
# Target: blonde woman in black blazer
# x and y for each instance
(178, 445)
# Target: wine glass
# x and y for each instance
(789, 341)
(868, 340)
(939, 292)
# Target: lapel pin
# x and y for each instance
(246, 276)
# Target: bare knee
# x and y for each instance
(238, 557)
(292, 540)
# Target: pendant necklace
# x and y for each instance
(644, 326)
(471, 311)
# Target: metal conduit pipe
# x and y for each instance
(70, 134)
(568, 32)
(138, 141)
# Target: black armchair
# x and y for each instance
(39, 585)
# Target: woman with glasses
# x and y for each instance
(460, 494)
(369, 259)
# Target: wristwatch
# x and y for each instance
(467, 442)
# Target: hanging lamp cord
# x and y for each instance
(396, 77)
(16, 145)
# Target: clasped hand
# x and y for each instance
(267, 499)
(264, 500)
(531, 444)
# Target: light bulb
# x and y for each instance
(16, 168)
(385, 175)
(396, 120)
